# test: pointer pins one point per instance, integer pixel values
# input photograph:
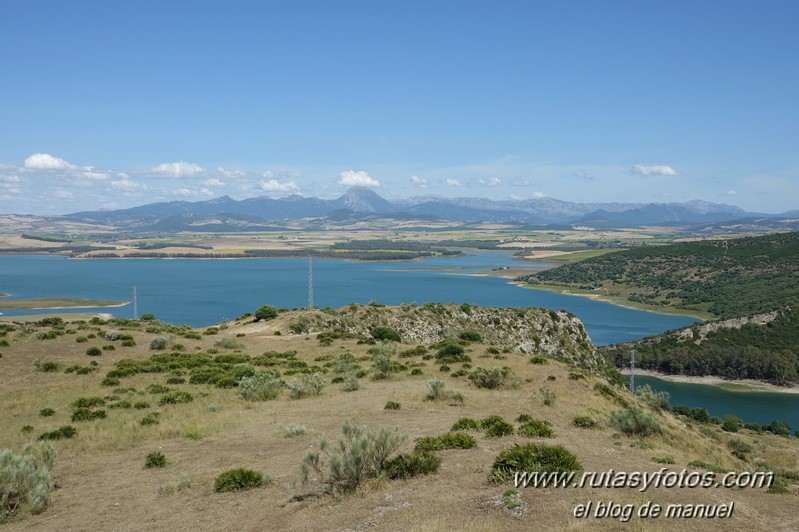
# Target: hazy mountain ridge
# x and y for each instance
(362, 200)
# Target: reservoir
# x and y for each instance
(201, 292)
(752, 407)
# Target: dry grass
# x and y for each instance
(104, 485)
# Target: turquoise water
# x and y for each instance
(204, 292)
(752, 407)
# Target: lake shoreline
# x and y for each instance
(734, 385)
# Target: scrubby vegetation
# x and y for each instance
(25, 479)
(533, 457)
(239, 479)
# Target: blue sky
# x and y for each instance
(114, 104)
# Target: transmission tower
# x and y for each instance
(310, 283)
(135, 304)
(632, 371)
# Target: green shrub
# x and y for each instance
(739, 448)
(307, 384)
(62, 433)
(47, 366)
(470, 336)
(94, 351)
(498, 429)
(417, 351)
(452, 353)
(239, 479)
(158, 343)
(25, 479)
(27, 429)
(450, 440)
(150, 419)
(392, 405)
(533, 457)
(489, 378)
(156, 388)
(46, 412)
(465, 423)
(386, 334)
(141, 405)
(86, 414)
(174, 398)
(731, 423)
(81, 339)
(411, 465)
(351, 383)
(417, 371)
(357, 455)
(538, 360)
(610, 393)
(260, 387)
(87, 402)
(155, 459)
(228, 343)
(584, 422)
(265, 312)
(536, 428)
(633, 421)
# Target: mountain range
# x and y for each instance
(360, 202)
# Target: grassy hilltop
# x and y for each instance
(442, 391)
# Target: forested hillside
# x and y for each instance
(765, 351)
(726, 278)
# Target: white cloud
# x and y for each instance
(490, 182)
(454, 183)
(62, 194)
(418, 181)
(126, 185)
(9, 178)
(520, 183)
(539, 195)
(45, 161)
(94, 176)
(213, 182)
(230, 173)
(178, 169)
(273, 185)
(352, 178)
(730, 193)
(650, 170)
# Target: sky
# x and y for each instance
(107, 105)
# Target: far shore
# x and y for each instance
(732, 385)
(57, 303)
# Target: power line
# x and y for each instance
(135, 304)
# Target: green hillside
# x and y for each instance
(726, 278)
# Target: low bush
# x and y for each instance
(174, 398)
(533, 457)
(150, 419)
(633, 421)
(46, 412)
(25, 479)
(452, 353)
(357, 455)
(386, 334)
(536, 428)
(239, 479)
(62, 433)
(412, 465)
(87, 414)
(94, 351)
(465, 423)
(489, 378)
(47, 366)
(290, 431)
(731, 423)
(450, 440)
(584, 422)
(306, 385)
(392, 405)
(155, 459)
(158, 343)
(260, 387)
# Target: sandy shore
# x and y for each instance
(742, 385)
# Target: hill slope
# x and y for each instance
(191, 394)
